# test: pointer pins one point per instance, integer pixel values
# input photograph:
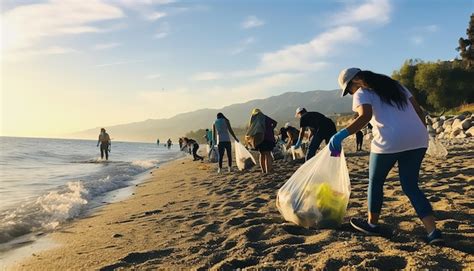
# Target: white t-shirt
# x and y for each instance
(394, 130)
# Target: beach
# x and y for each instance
(186, 216)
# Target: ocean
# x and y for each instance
(46, 182)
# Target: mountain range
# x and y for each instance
(281, 108)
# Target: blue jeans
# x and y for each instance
(318, 137)
(409, 163)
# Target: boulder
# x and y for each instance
(430, 129)
(470, 131)
(448, 122)
(441, 135)
(457, 124)
(439, 130)
(461, 135)
(447, 129)
(460, 117)
(456, 132)
(466, 124)
(437, 124)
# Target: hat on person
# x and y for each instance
(345, 76)
(287, 125)
(255, 111)
(298, 110)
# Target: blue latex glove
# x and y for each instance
(298, 144)
(336, 141)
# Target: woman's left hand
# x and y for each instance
(335, 143)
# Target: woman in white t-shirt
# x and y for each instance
(400, 135)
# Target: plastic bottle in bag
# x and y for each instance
(317, 194)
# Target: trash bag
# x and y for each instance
(243, 157)
(213, 154)
(436, 149)
(317, 194)
(297, 153)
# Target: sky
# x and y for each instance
(70, 65)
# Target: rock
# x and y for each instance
(470, 131)
(456, 124)
(460, 117)
(428, 120)
(461, 135)
(441, 135)
(430, 129)
(437, 124)
(117, 235)
(447, 129)
(456, 132)
(439, 130)
(447, 123)
(466, 124)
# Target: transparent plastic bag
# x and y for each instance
(436, 149)
(243, 157)
(212, 154)
(317, 194)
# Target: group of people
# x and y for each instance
(399, 136)
(168, 143)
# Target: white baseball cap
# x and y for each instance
(287, 125)
(345, 76)
(298, 110)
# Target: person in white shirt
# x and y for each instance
(400, 136)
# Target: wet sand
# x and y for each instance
(187, 216)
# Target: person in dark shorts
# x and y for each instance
(221, 130)
(322, 128)
(192, 144)
(169, 143)
(105, 143)
(262, 127)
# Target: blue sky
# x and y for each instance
(70, 65)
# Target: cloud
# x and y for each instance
(243, 45)
(119, 63)
(26, 25)
(153, 76)
(155, 16)
(103, 46)
(251, 22)
(417, 40)
(431, 28)
(17, 55)
(162, 31)
(206, 76)
(135, 3)
(372, 11)
(421, 33)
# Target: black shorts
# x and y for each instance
(266, 145)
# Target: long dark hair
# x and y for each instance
(390, 91)
(221, 116)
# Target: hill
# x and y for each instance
(281, 108)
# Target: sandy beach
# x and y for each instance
(186, 216)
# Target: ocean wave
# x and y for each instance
(49, 210)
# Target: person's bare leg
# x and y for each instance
(430, 223)
(262, 162)
(373, 218)
(269, 162)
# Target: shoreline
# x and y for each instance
(188, 216)
(23, 246)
